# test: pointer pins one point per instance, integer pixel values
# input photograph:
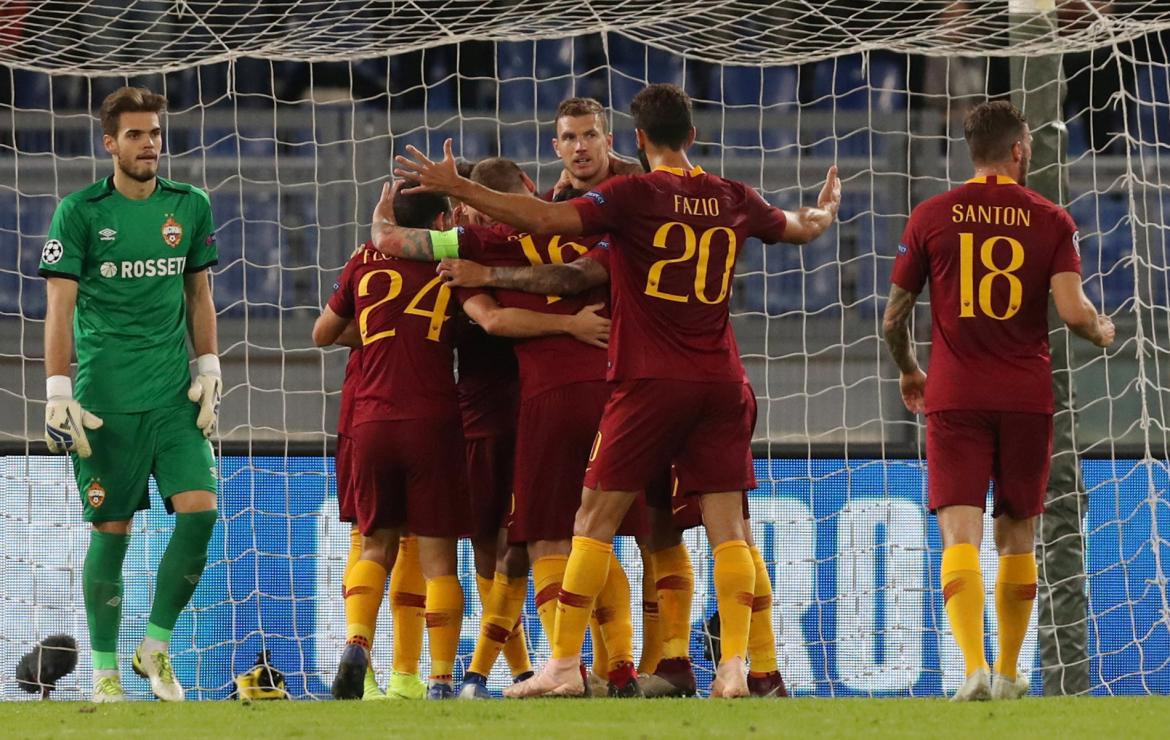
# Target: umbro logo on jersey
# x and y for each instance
(107, 235)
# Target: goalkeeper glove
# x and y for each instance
(65, 420)
(205, 390)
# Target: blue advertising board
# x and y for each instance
(854, 559)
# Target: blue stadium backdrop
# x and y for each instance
(854, 561)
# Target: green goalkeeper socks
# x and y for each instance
(101, 584)
(180, 569)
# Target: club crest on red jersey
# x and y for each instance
(172, 231)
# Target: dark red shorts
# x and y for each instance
(704, 429)
(555, 435)
(686, 511)
(403, 476)
(342, 464)
(489, 480)
(965, 449)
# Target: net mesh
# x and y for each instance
(287, 113)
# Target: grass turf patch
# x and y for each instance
(598, 718)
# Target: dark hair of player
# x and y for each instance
(574, 107)
(663, 112)
(991, 129)
(499, 174)
(418, 210)
(464, 167)
(128, 100)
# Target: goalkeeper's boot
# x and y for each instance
(349, 683)
(108, 689)
(371, 691)
(155, 666)
(730, 680)
(474, 686)
(977, 687)
(673, 677)
(440, 690)
(1006, 688)
(623, 682)
(405, 686)
(767, 685)
(559, 677)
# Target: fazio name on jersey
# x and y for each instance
(145, 268)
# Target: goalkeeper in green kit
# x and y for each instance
(126, 273)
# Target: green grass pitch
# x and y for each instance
(598, 719)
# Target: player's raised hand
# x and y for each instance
(65, 420)
(830, 197)
(463, 273)
(427, 176)
(588, 326)
(384, 211)
(914, 391)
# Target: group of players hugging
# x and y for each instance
(567, 373)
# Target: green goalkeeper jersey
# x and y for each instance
(129, 258)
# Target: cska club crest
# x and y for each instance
(172, 232)
(95, 494)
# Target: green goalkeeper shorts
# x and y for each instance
(129, 448)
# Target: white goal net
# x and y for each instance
(288, 113)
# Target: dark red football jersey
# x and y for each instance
(989, 249)
(403, 312)
(675, 236)
(353, 371)
(487, 381)
(556, 360)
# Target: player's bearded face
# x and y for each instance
(582, 145)
(137, 146)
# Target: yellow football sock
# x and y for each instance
(408, 601)
(547, 574)
(651, 639)
(600, 665)
(444, 621)
(675, 584)
(585, 575)
(1015, 592)
(761, 639)
(363, 597)
(962, 587)
(614, 618)
(351, 557)
(516, 646)
(735, 585)
(500, 614)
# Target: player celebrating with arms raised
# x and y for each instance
(991, 250)
(679, 396)
(126, 274)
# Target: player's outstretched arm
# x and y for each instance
(1078, 311)
(518, 323)
(522, 211)
(393, 240)
(65, 420)
(207, 387)
(329, 328)
(810, 222)
(568, 279)
(896, 327)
